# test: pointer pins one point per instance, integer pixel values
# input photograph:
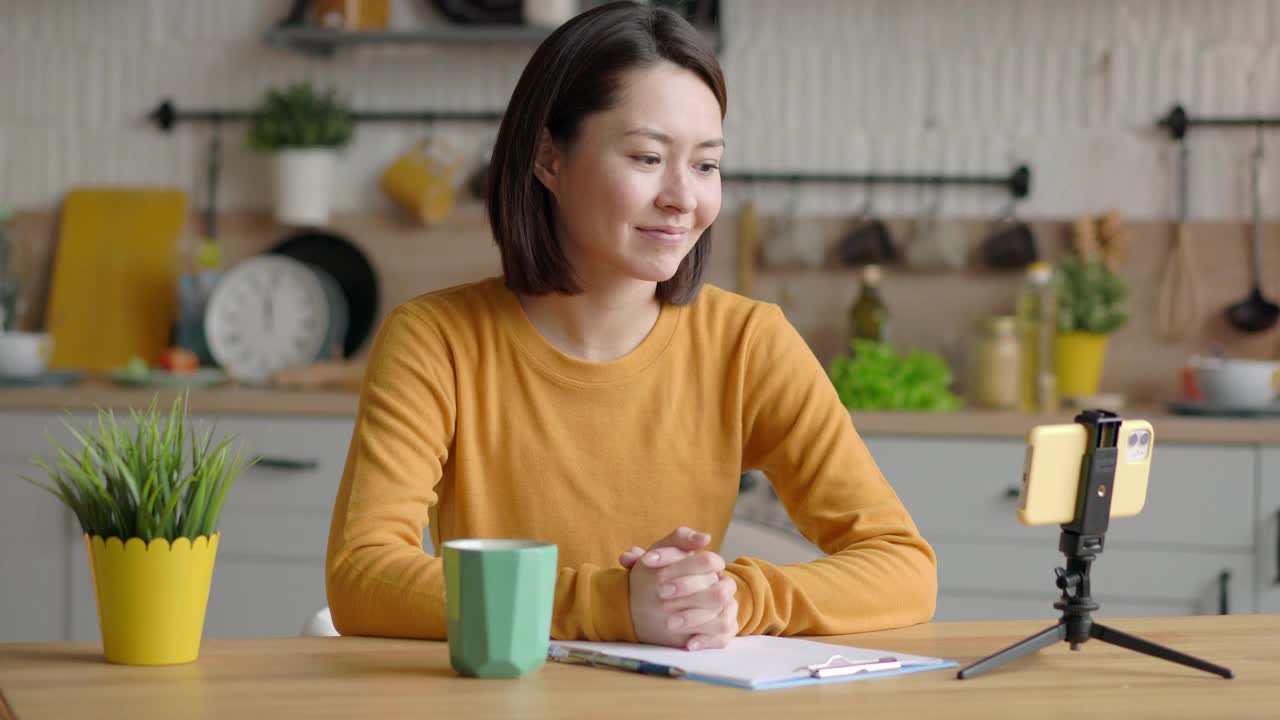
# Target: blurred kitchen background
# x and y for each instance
(985, 136)
(1073, 92)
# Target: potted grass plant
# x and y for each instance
(148, 494)
(1092, 304)
(303, 128)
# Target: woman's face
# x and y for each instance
(641, 182)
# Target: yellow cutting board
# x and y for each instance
(113, 293)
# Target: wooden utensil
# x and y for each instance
(337, 375)
(748, 239)
(1179, 306)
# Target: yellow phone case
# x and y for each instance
(1051, 476)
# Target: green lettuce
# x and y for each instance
(875, 377)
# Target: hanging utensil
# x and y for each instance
(748, 240)
(869, 240)
(1255, 313)
(195, 284)
(1179, 309)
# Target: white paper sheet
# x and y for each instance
(760, 661)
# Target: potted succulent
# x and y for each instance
(304, 128)
(148, 495)
(1092, 304)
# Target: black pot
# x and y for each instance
(339, 257)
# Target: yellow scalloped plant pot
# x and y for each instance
(151, 598)
(1079, 358)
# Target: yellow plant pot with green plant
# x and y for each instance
(148, 495)
(1092, 301)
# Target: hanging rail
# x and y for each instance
(167, 115)
(1178, 122)
(1018, 182)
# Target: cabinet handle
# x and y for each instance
(1224, 590)
(1278, 546)
(276, 462)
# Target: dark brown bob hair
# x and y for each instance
(577, 71)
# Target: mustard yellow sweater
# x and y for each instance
(472, 424)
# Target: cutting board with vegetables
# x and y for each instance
(114, 275)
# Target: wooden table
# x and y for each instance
(364, 677)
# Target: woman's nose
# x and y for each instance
(677, 192)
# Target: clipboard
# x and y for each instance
(765, 662)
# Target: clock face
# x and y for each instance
(268, 313)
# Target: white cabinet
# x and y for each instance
(1172, 559)
(1175, 558)
(1267, 568)
(33, 559)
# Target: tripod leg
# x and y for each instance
(1040, 640)
(1137, 644)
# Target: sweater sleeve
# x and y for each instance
(880, 573)
(379, 579)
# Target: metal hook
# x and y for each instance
(866, 210)
(935, 206)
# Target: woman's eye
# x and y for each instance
(648, 160)
(708, 168)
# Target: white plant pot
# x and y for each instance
(304, 185)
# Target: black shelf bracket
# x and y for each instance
(167, 115)
(1177, 121)
(1017, 183)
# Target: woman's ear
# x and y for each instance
(546, 161)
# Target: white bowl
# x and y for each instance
(24, 354)
(1228, 383)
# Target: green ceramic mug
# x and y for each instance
(498, 600)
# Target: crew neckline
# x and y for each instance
(559, 363)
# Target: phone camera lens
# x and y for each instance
(1145, 438)
(1133, 441)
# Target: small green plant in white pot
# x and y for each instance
(303, 128)
(148, 495)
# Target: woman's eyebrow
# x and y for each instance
(665, 138)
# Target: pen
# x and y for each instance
(574, 656)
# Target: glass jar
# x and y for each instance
(996, 382)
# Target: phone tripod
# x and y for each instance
(1081, 542)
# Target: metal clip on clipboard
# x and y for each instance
(839, 665)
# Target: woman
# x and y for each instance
(598, 395)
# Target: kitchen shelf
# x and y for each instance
(323, 42)
(319, 41)
(293, 32)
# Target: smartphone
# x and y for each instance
(1051, 476)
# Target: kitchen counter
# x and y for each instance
(375, 677)
(229, 399)
(244, 400)
(1169, 427)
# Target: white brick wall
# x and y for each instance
(1071, 88)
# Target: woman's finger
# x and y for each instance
(712, 597)
(717, 632)
(629, 558)
(663, 556)
(684, 538)
(698, 563)
(678, 593)
(692, 618)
